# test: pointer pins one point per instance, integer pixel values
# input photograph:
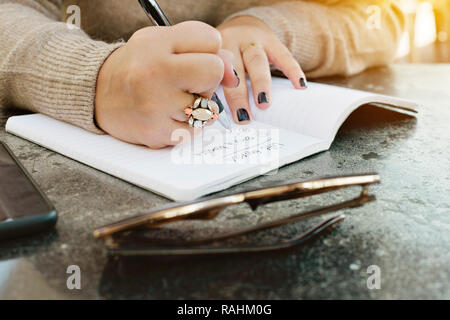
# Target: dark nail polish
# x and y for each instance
(262, 98)
(238, 79)
(216, 99)
(303, 83)
(242, 115)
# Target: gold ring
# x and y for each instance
(250, 45)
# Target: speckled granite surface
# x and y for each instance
(406, 232)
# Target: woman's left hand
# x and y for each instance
(255, 47)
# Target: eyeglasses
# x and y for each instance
(125, 237)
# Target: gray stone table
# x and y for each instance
(406, 232)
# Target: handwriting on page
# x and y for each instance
(240, 146)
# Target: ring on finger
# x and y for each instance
(251, 45)
(201, 111)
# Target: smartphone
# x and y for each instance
(24, 209)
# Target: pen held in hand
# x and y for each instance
(157, 16)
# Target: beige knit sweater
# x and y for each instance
(47, 67)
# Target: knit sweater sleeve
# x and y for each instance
(340, 39)
(45, 66)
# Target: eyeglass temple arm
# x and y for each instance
(259, 197)
(363, 198)
(204, 250)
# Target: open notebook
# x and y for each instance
(298, 124)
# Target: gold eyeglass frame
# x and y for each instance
(117, 240)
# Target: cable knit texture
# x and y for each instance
(47, 67)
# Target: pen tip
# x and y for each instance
(217, 100)
(224, 121)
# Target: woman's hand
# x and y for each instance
(255, 46)
(144, 86)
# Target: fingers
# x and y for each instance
(237, 98)
(195, 36)
(199, 73)
(230, 80)
(282, 58)
(198, 37)
(258, 69)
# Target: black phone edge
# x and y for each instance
(10, 229)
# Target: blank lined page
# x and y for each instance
(317, 111)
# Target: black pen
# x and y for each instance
(157, 16)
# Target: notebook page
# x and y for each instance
(317, 111)
(181, 173)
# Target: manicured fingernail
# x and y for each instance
(216, 99)
(303, 83)
(237, 77)
(262, 98)
(242, 115)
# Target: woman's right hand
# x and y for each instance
(144, 86)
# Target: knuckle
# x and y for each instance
(285, 51)
(261, 81)
(193, 25)
(293, 66)
(211, 72)
(216, 67)
(216, 38)
(287, 56)
(198, 27)
(281, 51)
(138, 34)
(255, 56)
(236, 98)
(227, 33)
(143, 33)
